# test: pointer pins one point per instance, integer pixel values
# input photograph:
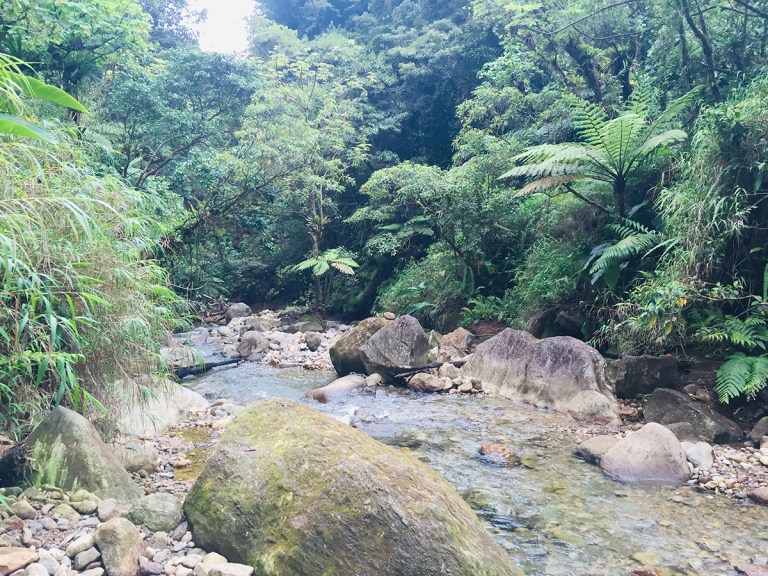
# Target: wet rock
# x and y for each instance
(313, 340)
(252, 343)
(548, 373)
(136, 456)
(651, 454)
(121, 544)
(497, 454)
(336, 389)
(238, 310)
(345, 352)
(400, 343)
(68, 452)
(667, 406)
(13, 558)
(292, 492)
(759, 495)
(636, 375)
(425, 383)
(159, 512)
(700, 455)
(759, 430)
(593, 449)
(230, 570)
(169, 407)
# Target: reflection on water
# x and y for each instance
(554, 514)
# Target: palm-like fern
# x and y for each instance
(613, 151)
(607, 260)
(322, 263)
(742, 375)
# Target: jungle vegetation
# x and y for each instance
(582, 167)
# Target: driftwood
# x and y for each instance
(200, 368)
(411, 370)
(215, 310)
(12, 464)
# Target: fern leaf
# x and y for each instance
(758, 378)
(732, 377)
(320, 268)
(343, 268)
(549, 183)
(305, 265)
(624, 250)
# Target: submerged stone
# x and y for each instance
(292, 492)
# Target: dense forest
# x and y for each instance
(583, 168)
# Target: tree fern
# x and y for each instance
(742, 375)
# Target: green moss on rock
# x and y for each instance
(292, 492)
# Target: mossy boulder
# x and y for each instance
(345, 352)
(292, 492)
(65, 450)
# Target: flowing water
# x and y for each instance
(554, 514)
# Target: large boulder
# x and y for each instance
(455, 344)
(635, 375)
(292, 492)
(68, 452)
(345, 352)
(168, 407)
(667, 406)
(159, 512)
(425, 383)
(136, 456)
(261, 324)
(121, 544)
(400, 343)
(651, 454)
(339, 388)
(759, 430)
(252, 343)
(561, 373)
(238, 310)
(181, 357)
(309, 326)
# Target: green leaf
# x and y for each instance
(38, 89)
(14, 126)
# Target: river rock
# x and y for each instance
(345, 352)
(121, 544)
(337, 389)
(400, 343)
(455, 344)
(313, 340)
(24, 510)
(261, 324)
(651, 454)
(549, 373)
(759, 495)
(667, 406)
(238, 310)
(252, 343)
(169, 406)
(424, 382)
(160, 512)
(290, 491)
(310, 326)
(12, 559)
(759, 430)
(110, 508)
(635, 375)
(136, 456)
(593, 449)
(699, 454)
(181, 357)
(68, 452)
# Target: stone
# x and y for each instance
(759, 495)
(36, 570)
(759, 430)
(290, 491)
(121, 544)
(345, 352)
(13, 558)
(24, 510)
(84, 558)
(424, 382)
(137, 456)
(310, 326)
(47, 561)
(214, 559)
(181, 357)
(651, 454)
(82, 495)
(238, 310)
(752, 570)
(80, 544)
(230, 570)
(252, 343)
(636, 375)
(593, 449)
(548, 373)
(313, 340)
(110, 508)
(700, 455)
(667, 406)
(448, 370)
(150, 569)
(455, 344)
(93, 572)
(85, 507)
(169, 406)
(401, 343)
(68, 452)
(684, 431)
(260, 324)
(374, 380)
(337, 389)
(389, 315)
(159, 512)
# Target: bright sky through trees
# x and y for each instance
(225, 29)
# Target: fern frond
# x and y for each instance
(652, 145)
(732, 377)
(625, 249)
(320, 268)
(590, 120)
(305, 265)
(343, 268)
(549, 183)
(758, 378)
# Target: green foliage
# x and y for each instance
(742, 375)
(330, 259)
(607, 260)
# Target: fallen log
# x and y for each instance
(200, 368)
(411, 370)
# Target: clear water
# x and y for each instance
(553, 513)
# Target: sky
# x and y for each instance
(225, 30)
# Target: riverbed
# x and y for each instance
(553, 513)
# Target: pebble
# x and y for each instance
(81, 544)
(37, 569)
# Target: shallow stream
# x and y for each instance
(555, 514)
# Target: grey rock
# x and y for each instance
(700, 455)
(449, 371)
(425, 383)
(651, 454)
(159, 512)
(121, 544)
(759, 430)
(313, 340)
(345, 352)
(150, 569)
(635, 375)
(110, 508)
(136, 456)
(80, 544)
(47, 561)
(231, 570)
(93, 572)
(84, 558)
(303, 327)
(684, 432)
(667, 406)
(68, 452)
(85, 506)
(252, 343)
(593, 449)
(400, 343)
(36, 569)
(23, 510)
(260, 324)
(237, 310)
(339, 388)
